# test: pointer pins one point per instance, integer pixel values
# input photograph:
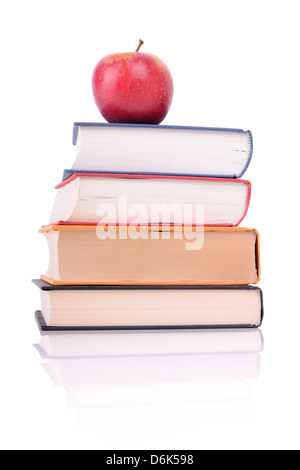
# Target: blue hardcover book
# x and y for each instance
(161, 149)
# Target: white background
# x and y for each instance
(234, 64)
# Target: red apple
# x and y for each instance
(132, 87)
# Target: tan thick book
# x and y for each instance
(89, 254)
(93, 255)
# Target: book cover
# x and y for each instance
(137, 175)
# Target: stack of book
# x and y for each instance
(144, 232)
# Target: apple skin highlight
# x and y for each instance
(132, 87)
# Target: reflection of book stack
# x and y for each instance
(67, 345)
(143, 231)
(146, 367)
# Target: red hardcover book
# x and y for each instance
(139, 199)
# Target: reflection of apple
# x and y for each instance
(132, 87)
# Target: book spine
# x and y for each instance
(249, 155)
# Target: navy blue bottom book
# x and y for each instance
(148, 307)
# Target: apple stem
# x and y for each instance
(140, 45)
